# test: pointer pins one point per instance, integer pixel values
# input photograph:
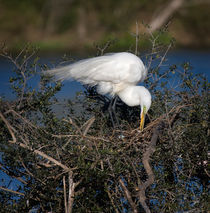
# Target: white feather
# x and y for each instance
(112, 68)
(116, 74)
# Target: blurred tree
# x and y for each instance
(59, 24)
(54, 10)
(165, 14)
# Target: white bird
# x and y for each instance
(115, 74)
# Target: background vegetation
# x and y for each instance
(77, 24)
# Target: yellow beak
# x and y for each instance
(142, 121)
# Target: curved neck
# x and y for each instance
(136, 95)
(130, 96)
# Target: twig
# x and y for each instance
(71, 192)
(29, 173)
(207, 172)
(88, 124)
(153, 50)
(10, 173)
(128, 196)
(102, 49)
(112, 201)
(10, 190)
(75, 125)
(64, 194)
(164, 56)
(88, 137)
(10, 129)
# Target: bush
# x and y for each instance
(81, 163)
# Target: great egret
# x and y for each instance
(114, 73)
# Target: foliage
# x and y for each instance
(80, 163)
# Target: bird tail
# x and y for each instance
(82, 71)
(60, 73)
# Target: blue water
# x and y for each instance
(199, 60)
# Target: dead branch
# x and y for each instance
(9, 127)
(45, 156)
(151, 177)
(12, 191)
(64, 194)
(10, 173)
(68, 203)
(87, 125)
(101, 49)
(128, 196)
(72, 186)
(74, 124)
(23, 145)
(84, 136)
(112, 201)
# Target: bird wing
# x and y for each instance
(115, 68)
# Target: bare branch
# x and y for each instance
(151, 177)
(9, 127)
(74, 124)
(10, 173)
(128, 196)
(64, 194)
(112, 201)
(10, 190)
(71, 192)
(88, 124)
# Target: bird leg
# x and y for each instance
(112, 112)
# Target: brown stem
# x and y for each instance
(10, 190)
(11, 174)
(112, 201)
(10, 129)
(71, 192)
(64, 193)
(151, 177)
(128, 196)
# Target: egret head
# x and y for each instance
(135, 96)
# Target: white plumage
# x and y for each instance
(115, 73)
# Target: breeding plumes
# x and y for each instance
(114, 74)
